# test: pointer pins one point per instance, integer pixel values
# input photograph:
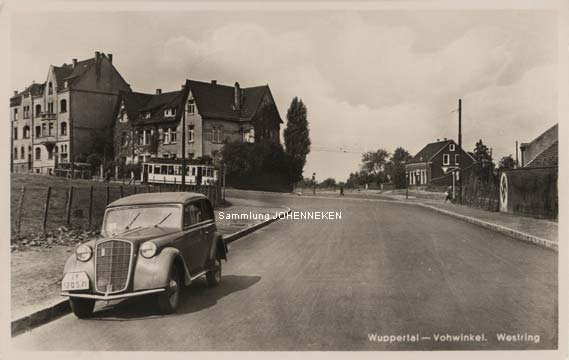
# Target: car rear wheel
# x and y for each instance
(82, 308)
(213, 276)
(168, 300)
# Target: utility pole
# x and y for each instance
(517, 163)
(459, 151)
(184, 144)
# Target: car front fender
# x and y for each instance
(153, 273)
(73, 265)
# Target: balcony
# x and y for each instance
(48, 116)
(45, 139)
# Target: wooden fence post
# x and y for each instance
(20, 209)
(68, 205)
(135, 189)
(90, 206)
(45, 210)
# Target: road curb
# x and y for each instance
(518, 235)
(239, 234)
(61, 308)
(40, 317)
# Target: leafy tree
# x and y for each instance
(396, 167)
(374, 163)
(507, 163)
(328, 183)
(296, 139)
(484, 166)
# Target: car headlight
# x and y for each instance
(148, 249)
(83, 253)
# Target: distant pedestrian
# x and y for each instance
(341, 190)
(449, 194)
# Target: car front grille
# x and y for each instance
(112, 265)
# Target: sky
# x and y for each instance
(371, 79)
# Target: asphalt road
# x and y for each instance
(385, 269)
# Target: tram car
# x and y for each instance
(169, 171)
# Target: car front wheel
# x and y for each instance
(82, 308)
(168, 300)
(213, 276)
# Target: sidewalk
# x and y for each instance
(37, 271)
(541, 228)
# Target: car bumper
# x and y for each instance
(112, 297)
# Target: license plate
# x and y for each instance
(75, 281)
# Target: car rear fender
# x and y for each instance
(153, 273)
(219, 248)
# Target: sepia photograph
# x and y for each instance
(285, 176)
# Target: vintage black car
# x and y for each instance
(151, 244)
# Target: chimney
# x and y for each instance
(438, 140)
(97, 55)
(110, 57)
(15, 92)
(237, 96)
(214, 82)
(158, 91)
(445, 139)
(74, 63)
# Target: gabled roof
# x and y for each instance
(34, 90)
(135, 103)
(70, 73)
(429, 151)
(218, 101)
(548, 157)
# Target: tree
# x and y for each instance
(484, 165)
(374, 162)
(507, 163)
(296, 139)
(328, 183)
(396, 167)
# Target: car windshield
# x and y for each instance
(124, 219)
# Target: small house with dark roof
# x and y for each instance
(67, 117)
(436, 163)
(150, 125)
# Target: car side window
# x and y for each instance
(207, 212)
(191, 214)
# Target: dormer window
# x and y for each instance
(170, 112)
(451, 147)
(50, 88)
(65, 84)
(146, 115)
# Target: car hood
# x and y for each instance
(143, 234)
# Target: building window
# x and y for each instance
(50, 88)
(38, 153)
(43, 129)
(191, 106)
(26, 112)
(173, 135)
(446, 159)
(38, 110)
(15, 153)
(217, 134)
(146, 115)
(26, 133)
(15, 114)
(170, 112)
(456, 159)
(15, 133)
(63, 106)
(50, 108)
(22, 153)
(50, 133)
(191, 133)
(123, 138)
(63, 128)
(38, 131)
(451, 147)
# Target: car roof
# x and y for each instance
(157, 198)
